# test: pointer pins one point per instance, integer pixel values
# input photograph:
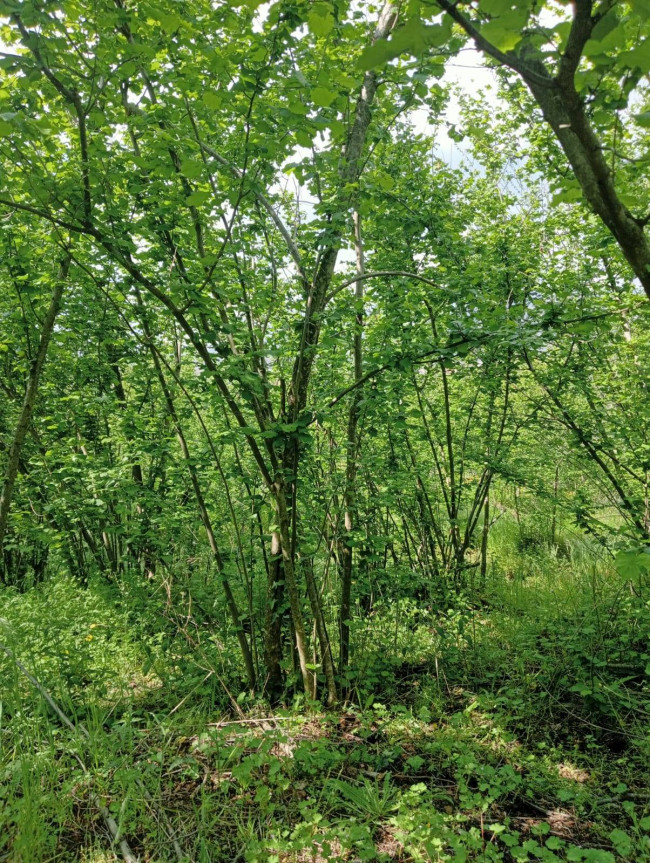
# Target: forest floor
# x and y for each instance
(514, 728)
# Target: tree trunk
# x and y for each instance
(556, 485)
(564, 111)
(274, 685)
(484, 538)
(284, 530)
(349, 494)
(13, 457)
(203, 511)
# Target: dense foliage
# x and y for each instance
(325, 462)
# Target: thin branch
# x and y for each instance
(378, 274)
(264, 201)
(43, 214)
(506, 59)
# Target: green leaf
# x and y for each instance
(258, 54)
(506, 31)
(567, 196)
(320, 20)
(638, 58)
(323, 97)
(378, 54)
(495, 7)
(170, 22)
(643, 119)
(455, 134)
(622, 841)
(197, 198)
(632, 563)
(5, 128)
(212, 99)
(554, 843)
(609, 41)
(304, 138)
(191, 169)
(298, 107)
(595, 855)
(641, 7)
(605, 26)
(413, 38)
(574, 853)
(385, 181)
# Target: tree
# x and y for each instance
(286, 322)
(585, 76)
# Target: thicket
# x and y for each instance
(325, 506)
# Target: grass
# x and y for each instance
(513, 726)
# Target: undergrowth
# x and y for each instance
(511, 725)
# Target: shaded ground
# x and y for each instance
(484, 734)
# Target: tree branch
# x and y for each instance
(378, 274)
(264, 201)
(507, 58)
(43, 214)
(581, 28)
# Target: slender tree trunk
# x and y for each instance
(454, 490)
(556, 485)
(484, 538)
(516, 502)
(284, 530)
(13, 457)
(205, 516)
(349, 494)
(274, 685)
(327, 659)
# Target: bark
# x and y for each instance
(205, 516)
(284, 530)
(564, 111)
(321, 631)
(349, 494)
(484, 539)
(556, 484)
(273, 624)
(13, 457)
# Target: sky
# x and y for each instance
(466, 73)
